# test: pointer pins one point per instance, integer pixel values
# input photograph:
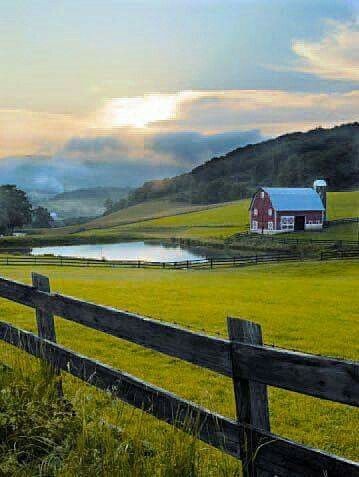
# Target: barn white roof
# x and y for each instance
(294, 198)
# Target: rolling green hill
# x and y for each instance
(290, 160)
(137, 213)
(218, 222)
(82, 202)
(163, 219)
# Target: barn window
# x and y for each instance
(262, 195)
(287, 222)
(254, 225)
(255, 212)
(270, 212)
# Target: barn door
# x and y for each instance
(299, 222)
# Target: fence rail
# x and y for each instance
(339, 254)
(210, 262)
(205, 263)
(344, 220)
(297, 241)
(251, 365)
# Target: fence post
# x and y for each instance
(45, 324)
(251, 397)
(211, 261)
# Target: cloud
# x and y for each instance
(94, 147)
(205, 112)
(69, 152)
(33, 132)
(140, 111)
(273, 112)
(190, 148)
(334, 57)
(116, 161)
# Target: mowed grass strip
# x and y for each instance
(310, 306)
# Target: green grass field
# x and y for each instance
(164, 220)
(294, 303)
(348, 231)
(225, 220)
(136, 213)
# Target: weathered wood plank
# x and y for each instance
(319, 376)
(202, 350)
(251, 397)
(45, 321)
(46, 327)
(211, 428)
(275, 454)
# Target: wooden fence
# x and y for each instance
(339, 254)
(206, 263)
(344, 220)
(251, 365)
(297, 241)
(210, 262)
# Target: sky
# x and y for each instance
(115, 92)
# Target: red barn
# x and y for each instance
(280, 209)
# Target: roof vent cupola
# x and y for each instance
(320, 186)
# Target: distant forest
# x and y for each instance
(102, 193)
(290, 160)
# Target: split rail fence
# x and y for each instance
(251, 365)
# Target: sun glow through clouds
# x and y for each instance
(141, 111)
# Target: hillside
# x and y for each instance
(137, 213)
(289, 160)
(100, 193)
(163, 219)
(82, 202)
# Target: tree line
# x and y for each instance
(16, 211)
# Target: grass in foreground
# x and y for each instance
(91, 435)
(308, 306)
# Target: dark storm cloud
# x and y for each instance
(190, 148)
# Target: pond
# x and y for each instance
(151, 252)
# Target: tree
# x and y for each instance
(3, 220)
(15, 208)
(41, 217)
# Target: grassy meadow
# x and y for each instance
(295, 304)
(162, 219)
(223, 221)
